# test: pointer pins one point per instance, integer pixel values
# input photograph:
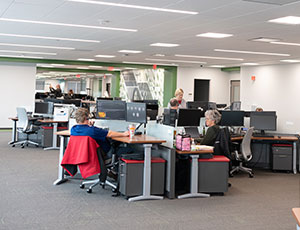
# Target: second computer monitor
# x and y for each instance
(111, 110)
(189, 117)
(263, 121)
(232, 118)
(136, 112)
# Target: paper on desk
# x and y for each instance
(201, 147)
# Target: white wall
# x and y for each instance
(18, 89)
(276, 88)
(219, 83)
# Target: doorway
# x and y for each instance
(201, 90)
(234, 90)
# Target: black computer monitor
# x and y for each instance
(232, 118)
(152, 108)
(203, 105)
(80, 96)
(75, 102)
(105, 98)
(263, 121)
(169, 117)
(189, 117)
(136, 112)
(44, 108)
(111, 110)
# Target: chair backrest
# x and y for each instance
(23, 121)
(246, 145)
(223, 145)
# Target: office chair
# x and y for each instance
(84, 152)
(25, 126)
(244, 155)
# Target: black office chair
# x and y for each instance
(25, 126)
(223, 145)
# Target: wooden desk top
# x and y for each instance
(47, 121)
(139, 139)
(63, 133)
(296, 212)
(88, 102)
(275, 138)
(195, 152)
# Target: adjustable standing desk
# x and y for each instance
(194, 173)
(147, 142)
(293, 139)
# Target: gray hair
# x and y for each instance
(213, 115)
(81, 115)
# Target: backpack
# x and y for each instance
(223, 145)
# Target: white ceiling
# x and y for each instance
(244, 19)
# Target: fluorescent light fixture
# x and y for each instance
(217, 66)
(164, 44)
(82, 67)
(105, 56)
(45, 66)
(130, 68)
(290, 61)
(159, 55)
(49, 38)
(251, 52)
(95, 66)
(286, 43)
(147, 63)
(261, 39)
(67, 24)
(130, 51)
(20, 56)
(291, 20)
(249, 63)
(85, 59)
(135, 6)
(58, 65)
(214, 35)
(209, 57)
(37, 46)
(180, 61)
(25, 52)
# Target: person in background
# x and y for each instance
(179, 98)
(259, 109)
(212, 118)
(57, 92)
(70, 95)
(174, 104)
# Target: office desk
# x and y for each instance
(54, 135)
(293, 139)
(194, 173)
(147, 142)
(63, 136)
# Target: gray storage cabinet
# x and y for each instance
(213, 174)
(131, 174)
(282, 157)
(47, 135)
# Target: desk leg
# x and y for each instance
(147, 177)
(194, 181)
(13, 134)
(295, 157)
(61, 177)
(54, 138)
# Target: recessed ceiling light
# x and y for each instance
(85, 59)
(249, 63)
(159, 55)
(286, 43)
(217, 66)
(45, 66)
(164, 44)
(67, 24)
(148, 63)
(21, 56)
(261, 39)
(105, 56)
(290, 60)
(58, 65)
(130, 51)
(136, 6)
(25, 52)
(37, 46)
(291, 20)
(82, 67)
(209, 57)
(251, 52)
(168, 60)
(49, 38)
(214, 35)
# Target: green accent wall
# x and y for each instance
(115, 85)
(231, 69)
(170, 83)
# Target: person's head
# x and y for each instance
(82, 116)
(179, 94)
(71, 92)
(259, 109)
(174, 103)
(212, 117)
(57, 86)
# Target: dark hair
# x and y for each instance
(174, 102)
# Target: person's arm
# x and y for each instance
(117, 134)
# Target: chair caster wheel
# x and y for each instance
(22, 146)
(81, 186)
(114, 190)
(251, 175)
(13, 146)
(230, 175)
(89, 190)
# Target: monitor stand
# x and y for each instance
(193, 131)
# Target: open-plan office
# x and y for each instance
(142, 51)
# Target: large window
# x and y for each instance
(39, 85)
(77, 86)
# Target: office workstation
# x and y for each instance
(233, 56)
